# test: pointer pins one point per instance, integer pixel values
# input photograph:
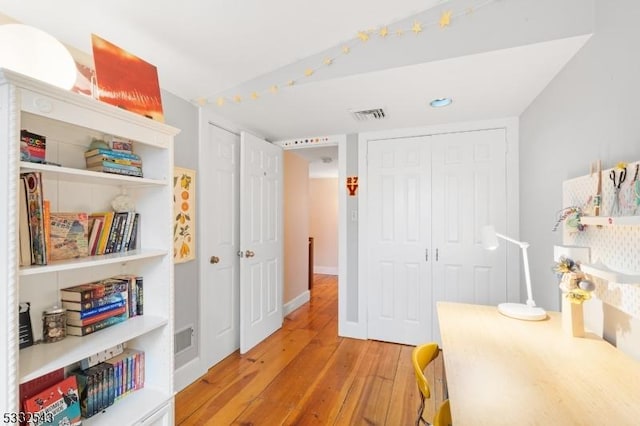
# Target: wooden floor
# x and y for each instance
(305, 374)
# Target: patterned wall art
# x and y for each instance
(184, 208)
(126, 81)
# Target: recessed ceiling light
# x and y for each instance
(440, 102)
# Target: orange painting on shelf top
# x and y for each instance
(126, 81)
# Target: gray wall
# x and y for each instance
(588, 112)
(183, 115)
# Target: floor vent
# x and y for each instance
(183, 339)
(369, 114)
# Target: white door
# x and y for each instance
(261, 240)
(219, 241)
(399, 235)
(468, 191)
(428, 197)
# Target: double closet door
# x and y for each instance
(428, 198)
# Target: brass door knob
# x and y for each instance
(214, 259)
(249, 253)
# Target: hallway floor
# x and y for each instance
(305, 374)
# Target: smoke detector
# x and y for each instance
(368, 114)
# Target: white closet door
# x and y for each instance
(261, 240)
(399, 293)
(219, 230)
(469, 191)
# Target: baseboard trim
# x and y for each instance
(296, 302)
(327, 270)
(187, 374)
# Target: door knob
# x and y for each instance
(214, 259)
(249, 253)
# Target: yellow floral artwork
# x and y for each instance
(184, 207)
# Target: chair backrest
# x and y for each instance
(421, 357)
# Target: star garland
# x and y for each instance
(445, 20)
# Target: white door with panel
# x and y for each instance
(428, 198)
(399, 234)
(261, 240)
(219, 242)
(468, 175)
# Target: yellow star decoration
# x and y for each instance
(273, 89)
(346, 50)
(237, 98)
(220, 101)
(363, 36)
(254, 95)
(291, 82)
(417, 27)
(445, 19)
(328, 61)
(384, 31)
(308, 72)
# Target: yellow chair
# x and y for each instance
(421, 357)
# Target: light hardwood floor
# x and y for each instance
(305, 374)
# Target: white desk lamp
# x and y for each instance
(528, 311)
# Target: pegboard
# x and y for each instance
(618, 246)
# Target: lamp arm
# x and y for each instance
(527, 275)
(520, 243)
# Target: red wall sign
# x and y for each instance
(352, 185)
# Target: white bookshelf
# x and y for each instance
(69, 121)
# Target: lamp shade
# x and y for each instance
(489, 238)
(34, 53)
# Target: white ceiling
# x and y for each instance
(205, 48)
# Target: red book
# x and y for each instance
(56, 405)
(99, 317)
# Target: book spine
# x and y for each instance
(99, 159)
(113, 154)
(88, 313)
(35, 213)
(91, 304)
(106, 231)
(133, 239)
(113, 234)
(92, 328)
(118, 166)
(139, 296)
(127, 232)
(97, 318)
(116, 170)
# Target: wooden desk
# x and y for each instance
(503, 371)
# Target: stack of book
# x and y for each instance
(107, 382)
(113, 232)
(114, 161)
(101, 304)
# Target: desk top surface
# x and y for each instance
(504, 371)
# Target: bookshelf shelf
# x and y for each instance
(144, 402)
(72, 174)
(92, 261)
(610, 221)
(69, 121)
(601, 270)
(45, 357)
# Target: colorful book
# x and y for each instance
(112, 153)
(135, 230)
(26, 257)
(33, 146)
(73, 330)
(97, 160)
(93, 303)
(106, 230)
(46, 204)
(35, 213)
(116, 169)
(39, 384)
(90, 313)
(56, 405)
(95, 290)
(69, 235)
(98, 317)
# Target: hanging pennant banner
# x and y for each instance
(352, 185)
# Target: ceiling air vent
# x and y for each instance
(369, 114)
